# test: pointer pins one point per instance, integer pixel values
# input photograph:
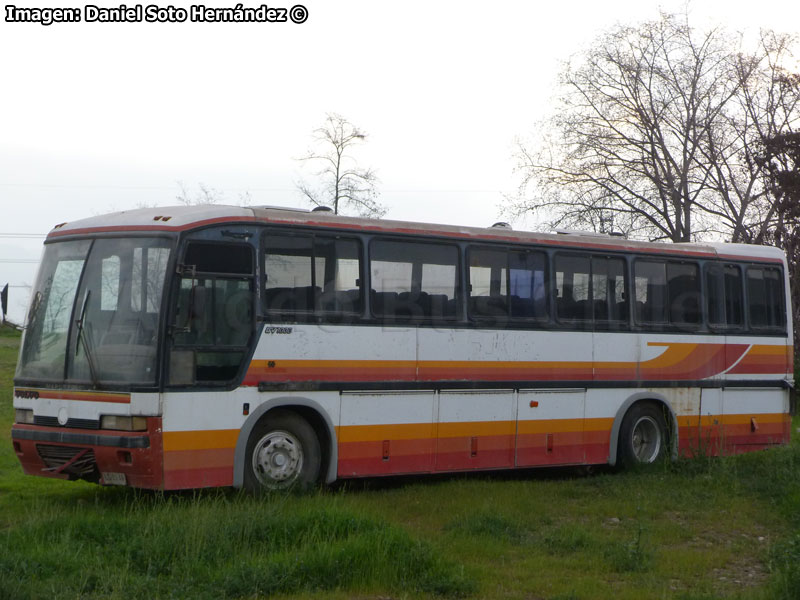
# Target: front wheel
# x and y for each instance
(283, 452)
(643, 435)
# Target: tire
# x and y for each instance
(643, 436)
(282, 453)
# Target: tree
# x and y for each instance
(653, 133)
(780, 156)
(205, 195)
(343, 184)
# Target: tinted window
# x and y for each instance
(590, 288)
(312, 273)
(413, 279)
(220, 258)
(506, 284)
(683, 283)
(650, 288)
(765, 297)
(214, 317)
(609, 301)
(573, 276)
(667, 292)
(724, 295)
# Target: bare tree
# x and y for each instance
(742, 200)
(780, 156)
(205, 195)
(343, 184)
(652, 132)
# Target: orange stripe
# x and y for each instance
(376, 433)
(766, 358)
(476, 429)
(761, 418)
(200, 440)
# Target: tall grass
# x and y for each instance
(218, 545)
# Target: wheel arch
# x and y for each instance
(312, 412)
(649, 396)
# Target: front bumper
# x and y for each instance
(87, 454)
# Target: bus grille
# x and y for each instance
(56, 457)
(73, 423)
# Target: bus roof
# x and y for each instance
(184, 218)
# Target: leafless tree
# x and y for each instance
(780, 156)
(205, 195)
(343, 185)
(743, 202)
(652, 133)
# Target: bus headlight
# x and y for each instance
(123, 423)
(24, 416)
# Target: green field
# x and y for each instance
(708, 528)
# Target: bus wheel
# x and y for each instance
(643, 435)
(283, 452)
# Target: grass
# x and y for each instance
(691, 530)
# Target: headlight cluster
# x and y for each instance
(123, 423)
(24, 416)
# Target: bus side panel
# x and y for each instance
(476, 429)
(200, 434)
(755, 418)
(551, 428)
(384, 433)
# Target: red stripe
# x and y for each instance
(531, 238)
(199, 477)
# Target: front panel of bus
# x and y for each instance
(86, 394)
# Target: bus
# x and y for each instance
(263, 348)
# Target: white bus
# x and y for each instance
(257, 347)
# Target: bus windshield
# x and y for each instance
(95, 311)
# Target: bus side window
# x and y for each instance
(765, 297)
(650, 290)
(609, 302)
(724, 295)
(573, 277)
(683, 283)
(413, 280)
(488, 284)
(312, 274)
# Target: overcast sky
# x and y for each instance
(96, 117)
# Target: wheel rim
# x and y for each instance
(646, 439)
(277, 459)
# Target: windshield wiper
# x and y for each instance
(82, 341)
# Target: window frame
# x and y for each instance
(507, 250)
(458, 284)
(592, 322)
(316, 313)
(213, 276)
(782, 328)
(723, 327)
(668, 324)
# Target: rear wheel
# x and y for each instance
(643, 435)
(283, 452)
